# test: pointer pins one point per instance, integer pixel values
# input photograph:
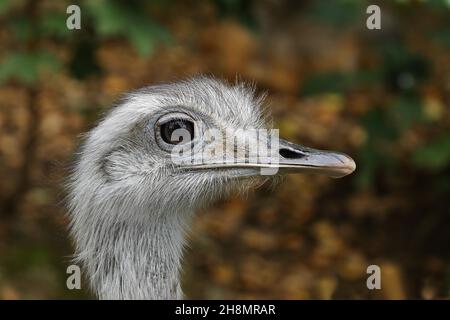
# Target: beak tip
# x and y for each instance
(351, 165)
(348, 165)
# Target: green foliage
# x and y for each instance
(434, 155)
(83, 62)
(439, 4)
(22, 28)
(339, 12)
(25, 67)
(8, 5)
(375, 154)
(442, 36)
(405, 112)
(51, 26)
(101, 20)
(403, 70)
(25, 258)
(239, 9)
(338, 82)
(384, 128)
(130, 21)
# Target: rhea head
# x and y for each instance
(130, 201)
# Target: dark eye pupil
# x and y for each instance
(177, 131)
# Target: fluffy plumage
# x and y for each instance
(130, 203)
(129, 206)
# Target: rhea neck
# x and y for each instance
(139, 257)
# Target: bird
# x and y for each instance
(130, 204)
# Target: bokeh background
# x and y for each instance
(382, 96)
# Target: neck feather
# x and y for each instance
(137, 258)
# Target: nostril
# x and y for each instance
(289, 154)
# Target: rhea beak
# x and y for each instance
(289, 158)
(296, 158)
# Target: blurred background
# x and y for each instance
(382, 96)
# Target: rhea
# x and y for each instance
(130, 204)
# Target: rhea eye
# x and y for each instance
(177, 131)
